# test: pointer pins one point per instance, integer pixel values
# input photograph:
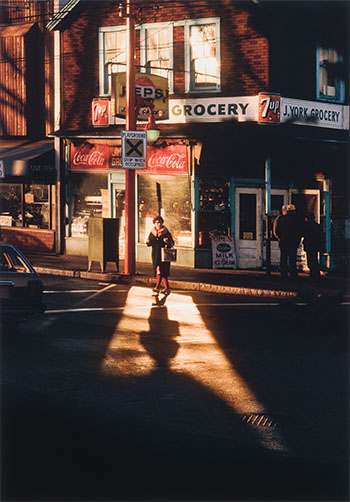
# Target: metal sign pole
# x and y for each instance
(129, 260)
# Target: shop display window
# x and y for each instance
(10, 205)
(36, 206)
(89, 195)
(214, 209)
(169, 196)
(27, 205)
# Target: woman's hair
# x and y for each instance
(158, 218)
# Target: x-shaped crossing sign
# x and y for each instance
(134, 149)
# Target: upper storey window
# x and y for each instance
(202, 55)
(157, 50)
(112, 55)
(330, 84)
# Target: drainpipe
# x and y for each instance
(268, 213)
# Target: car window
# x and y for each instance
(10, 261)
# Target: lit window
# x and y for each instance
(203, 56)
(329, 78)
(112, 55)
(157, 50)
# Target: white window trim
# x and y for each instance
(340, 85)
(101, 50)
(188, 82)
(144, 28)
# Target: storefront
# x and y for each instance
(209, 178)
(28, 195)
(96, 188)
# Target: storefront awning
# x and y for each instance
(22, 158)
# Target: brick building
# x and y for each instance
(257, 116)
(27, 161)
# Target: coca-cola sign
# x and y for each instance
(88, 156)
(169, 160)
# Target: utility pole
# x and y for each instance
(129, 260)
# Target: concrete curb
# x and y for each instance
(185, 285)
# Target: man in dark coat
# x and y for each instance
(288, 232)
(159, 238)
(313, 244)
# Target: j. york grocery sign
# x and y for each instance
(274, 109)
(169, 160)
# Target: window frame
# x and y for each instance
(143, 49)
(339, 82)
(103, 74)
(189, 81)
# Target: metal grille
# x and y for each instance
(263, 420)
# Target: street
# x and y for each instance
(209, 397)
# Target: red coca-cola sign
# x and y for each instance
(169, 160)
(89, 156)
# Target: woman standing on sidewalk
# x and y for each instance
(159, 238)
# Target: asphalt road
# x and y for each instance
(210, 397)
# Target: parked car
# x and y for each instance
(21, 289)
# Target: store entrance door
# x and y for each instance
(278, 199)
(118, 211)
(248, 227)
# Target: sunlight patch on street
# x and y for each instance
(178, 338)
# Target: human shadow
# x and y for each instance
(160, 341)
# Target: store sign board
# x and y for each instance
(269, 108)
(314, 113)
(223, 251)
(172, 159)
(134, 149)
(100, 112)
(149, 89)
(89, 156)
(241, 109)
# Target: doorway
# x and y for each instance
(118, 211)
(250, 222)
(248, 227)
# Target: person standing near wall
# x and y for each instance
(313, 244)
(288, 232)
(283, 212)
(159, 238)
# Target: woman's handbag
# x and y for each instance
(169, 254)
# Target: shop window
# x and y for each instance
(89, 198)
(112, 54)
(202, 55)
(247, 216)
(35, 209)
(157, 50)
(10, 205)
(169, 196)
(330, 79)
(214, 209)
(36, 206)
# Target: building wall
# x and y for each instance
(26, 69)
(244, 52)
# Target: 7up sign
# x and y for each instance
(269, 109)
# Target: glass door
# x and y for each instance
(118, 211)
(248, 227)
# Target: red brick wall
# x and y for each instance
(244, 52)
(26, 239)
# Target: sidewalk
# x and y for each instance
(236, 282)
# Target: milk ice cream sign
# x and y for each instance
(223, 250)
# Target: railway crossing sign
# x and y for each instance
(134, 149)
